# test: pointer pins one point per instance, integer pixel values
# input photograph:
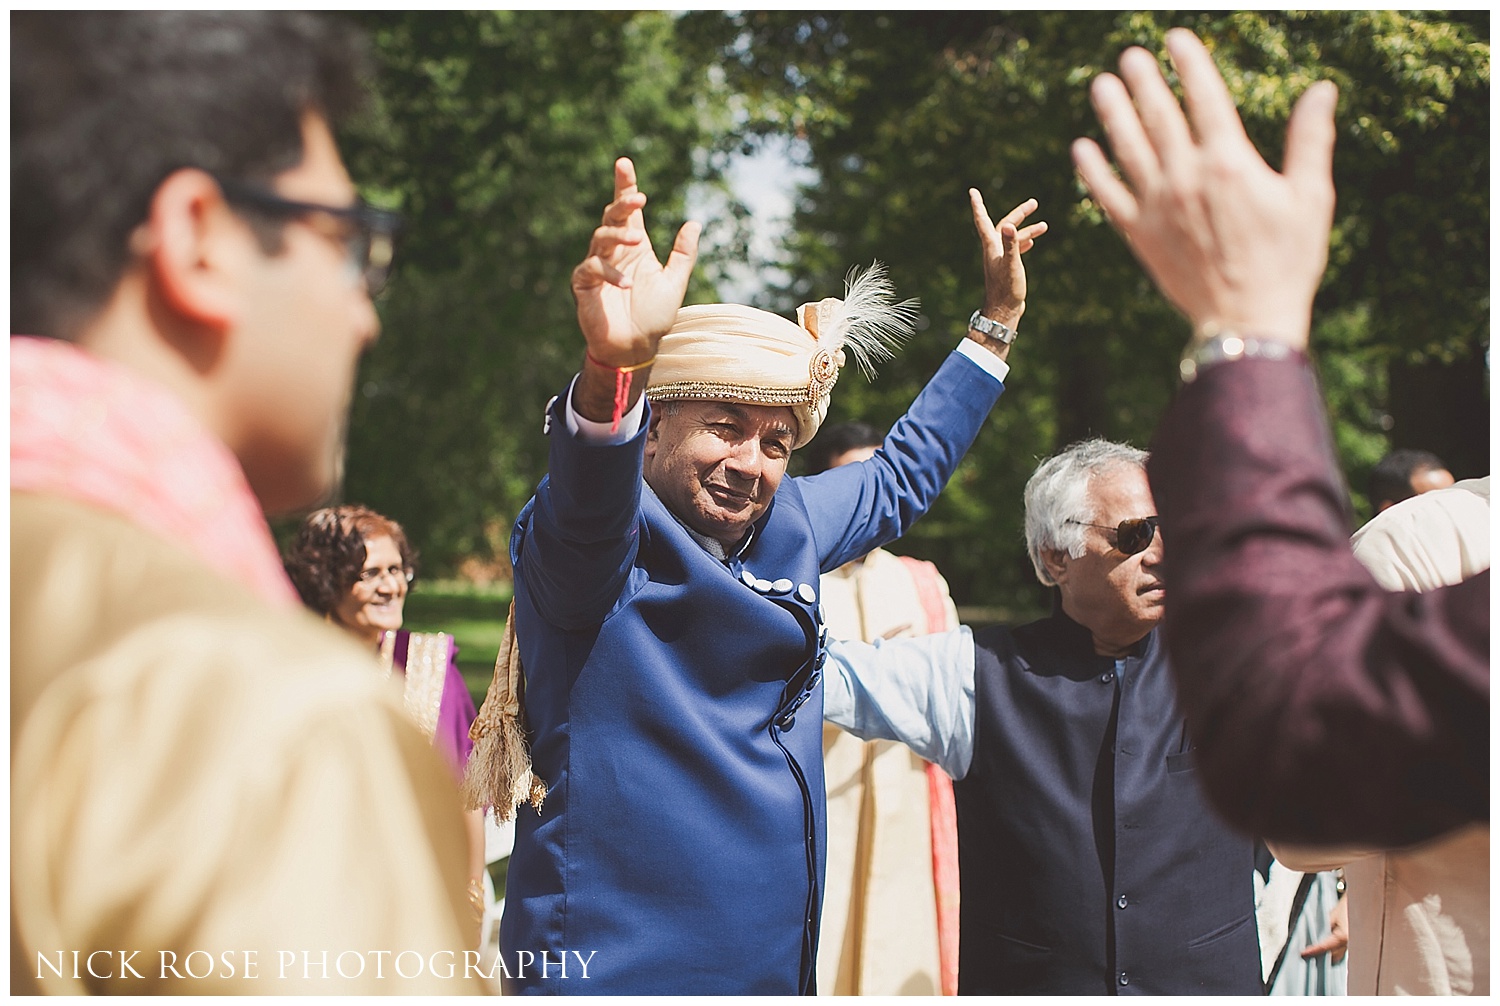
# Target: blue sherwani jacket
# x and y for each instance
(675, 703)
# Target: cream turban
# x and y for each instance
(729, 353)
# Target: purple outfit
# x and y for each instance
(455, 712)
(1294, 666)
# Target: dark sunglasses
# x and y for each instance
(371, 240)
(1132, 536)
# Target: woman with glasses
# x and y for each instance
(354, 567)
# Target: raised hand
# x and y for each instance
(1003, 243)
(1233, 243)
(627, 300)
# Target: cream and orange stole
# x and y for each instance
(426, 672)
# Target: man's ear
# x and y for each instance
(653, 431)
(195, 248)
(1056, 562)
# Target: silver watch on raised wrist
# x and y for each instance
(992, 329)
(1213, 345)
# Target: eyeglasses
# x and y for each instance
(1131, 536)
(370, 241)
(370, 576)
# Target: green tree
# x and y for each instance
(494, 133)
(901, 112)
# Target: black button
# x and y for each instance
(1107, 677)
(786, 721)
(1124, 978)
(1122, 902)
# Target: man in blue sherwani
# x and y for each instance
(1089, 860)
(667, 614)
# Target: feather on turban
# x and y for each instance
(729, 353)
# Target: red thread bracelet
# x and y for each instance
(622, 386)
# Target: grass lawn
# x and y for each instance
(474, 616)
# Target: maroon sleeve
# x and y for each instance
(1325, 709)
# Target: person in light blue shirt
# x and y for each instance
(1089, 862)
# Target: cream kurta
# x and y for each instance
(1419, 917)
(193, 770)
(879, 909)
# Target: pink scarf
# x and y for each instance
(96, 433)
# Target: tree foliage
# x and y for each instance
(901, 112)
(494, 133)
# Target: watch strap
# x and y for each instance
(988, 327)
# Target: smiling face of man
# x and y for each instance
(1118, 597)
(717, 465)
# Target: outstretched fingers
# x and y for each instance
(606, 238)
(1109, 192)
(1309, 141)
(609, 249)
(595, 272)
(1026, 236)
(992, 234)
(982, 225)
(625, 209)
(1156, 110)
(625, 183)
(1209, 105)
(684, 254)
(1122, 126)
(1019, 213)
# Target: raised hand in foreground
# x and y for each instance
(1233, 243)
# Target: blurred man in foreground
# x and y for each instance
(1292, 661)
(210, 791)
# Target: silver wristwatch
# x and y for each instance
(1215, 346)
(996, 330)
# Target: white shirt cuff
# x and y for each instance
(598, 434)
(987, 361)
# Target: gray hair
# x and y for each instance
(1058, 493)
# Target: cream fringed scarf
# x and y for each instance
(499, 771)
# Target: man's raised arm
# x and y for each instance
(882, 497)
(1291, 662)
(627, 300)
(580, 535)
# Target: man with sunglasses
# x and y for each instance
(1089, 862)
(210, 790)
